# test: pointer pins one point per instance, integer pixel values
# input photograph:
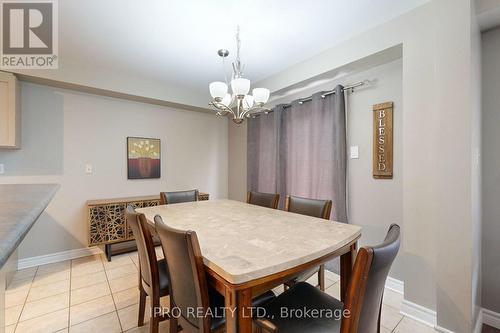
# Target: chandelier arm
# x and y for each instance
(221, 108)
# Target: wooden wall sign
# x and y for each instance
(382, 140)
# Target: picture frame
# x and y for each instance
(143, 158)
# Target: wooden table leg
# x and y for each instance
(245, 311)
(346, 263)
(231, 304)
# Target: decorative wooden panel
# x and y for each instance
(382, 140)
(106, 218)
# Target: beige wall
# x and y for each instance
(63, 130)
(237, 182)
(491, 170)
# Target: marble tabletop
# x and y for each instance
(20, 206)
(243, 242)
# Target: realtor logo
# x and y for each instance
(29, 34)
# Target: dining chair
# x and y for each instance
(269, 200)
(189, 288)
(153, 277)
(178, 197)
(363, 299)
(315, 208)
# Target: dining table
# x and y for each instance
(248, 250)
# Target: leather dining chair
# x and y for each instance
(315, 208)
(269, 200)
(153, 278)
(178, 197)
(363, 299)
(189, 287)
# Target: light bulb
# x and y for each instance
(218, 89)
(240, 86)
(261, 95)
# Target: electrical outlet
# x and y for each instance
(88, 169)
(354, 152)
(2, 169)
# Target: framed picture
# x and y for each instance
(143, 158)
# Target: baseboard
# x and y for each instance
(397, 286)
(419, 313)
(491, 318)
(57, 257)
(442, 329)
(479, 323)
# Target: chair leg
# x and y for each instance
(154, 321)
(321, 277)
(173, 325)
(142, 306)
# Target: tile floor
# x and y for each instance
(91, 294)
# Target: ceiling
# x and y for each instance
(176, 41)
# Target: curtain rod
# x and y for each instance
(332, 92)
(349, 87)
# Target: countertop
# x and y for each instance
(242, 242)
(20, 207)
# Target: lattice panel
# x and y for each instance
(107, 223)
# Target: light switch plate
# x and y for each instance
(354, 152)
(88, 169)
(2, 169)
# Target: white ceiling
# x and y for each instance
(176, 41)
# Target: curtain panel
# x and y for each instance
(300, 150)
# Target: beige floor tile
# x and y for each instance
(121, 271)
(46, 290)
(12, 314)
(50, 322)
(393, 299)
(145, 329)
(18, 297)
(87, 279)
(408, 325)
(124, 282)
(85, 269)
(10, 328)
(50, 278)
(44, 306)
(54, 268)
(116, 261)
(89, 293)
(390, 317)
(278, 290)
(159, 252)
(86, 260)
(384, 330)
(334, 290)
(332, 276)
(25, 273)
(126, 297)
(91, 309)
(128, 317)
(17, 285)
(107, 323)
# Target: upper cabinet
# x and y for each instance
(10, 112)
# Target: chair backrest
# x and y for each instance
(366, 288)
(310, 207)
(145, 247)
(269, 200)
(186, 271)
(178, 197)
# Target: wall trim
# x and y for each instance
(479, 322)
(444, 330)
(395, 285)
(419, 313)
(57, 257)
(490, 318)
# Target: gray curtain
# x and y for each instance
(301, 150)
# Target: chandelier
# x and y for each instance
(238, 104)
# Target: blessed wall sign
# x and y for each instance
(382, 140)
